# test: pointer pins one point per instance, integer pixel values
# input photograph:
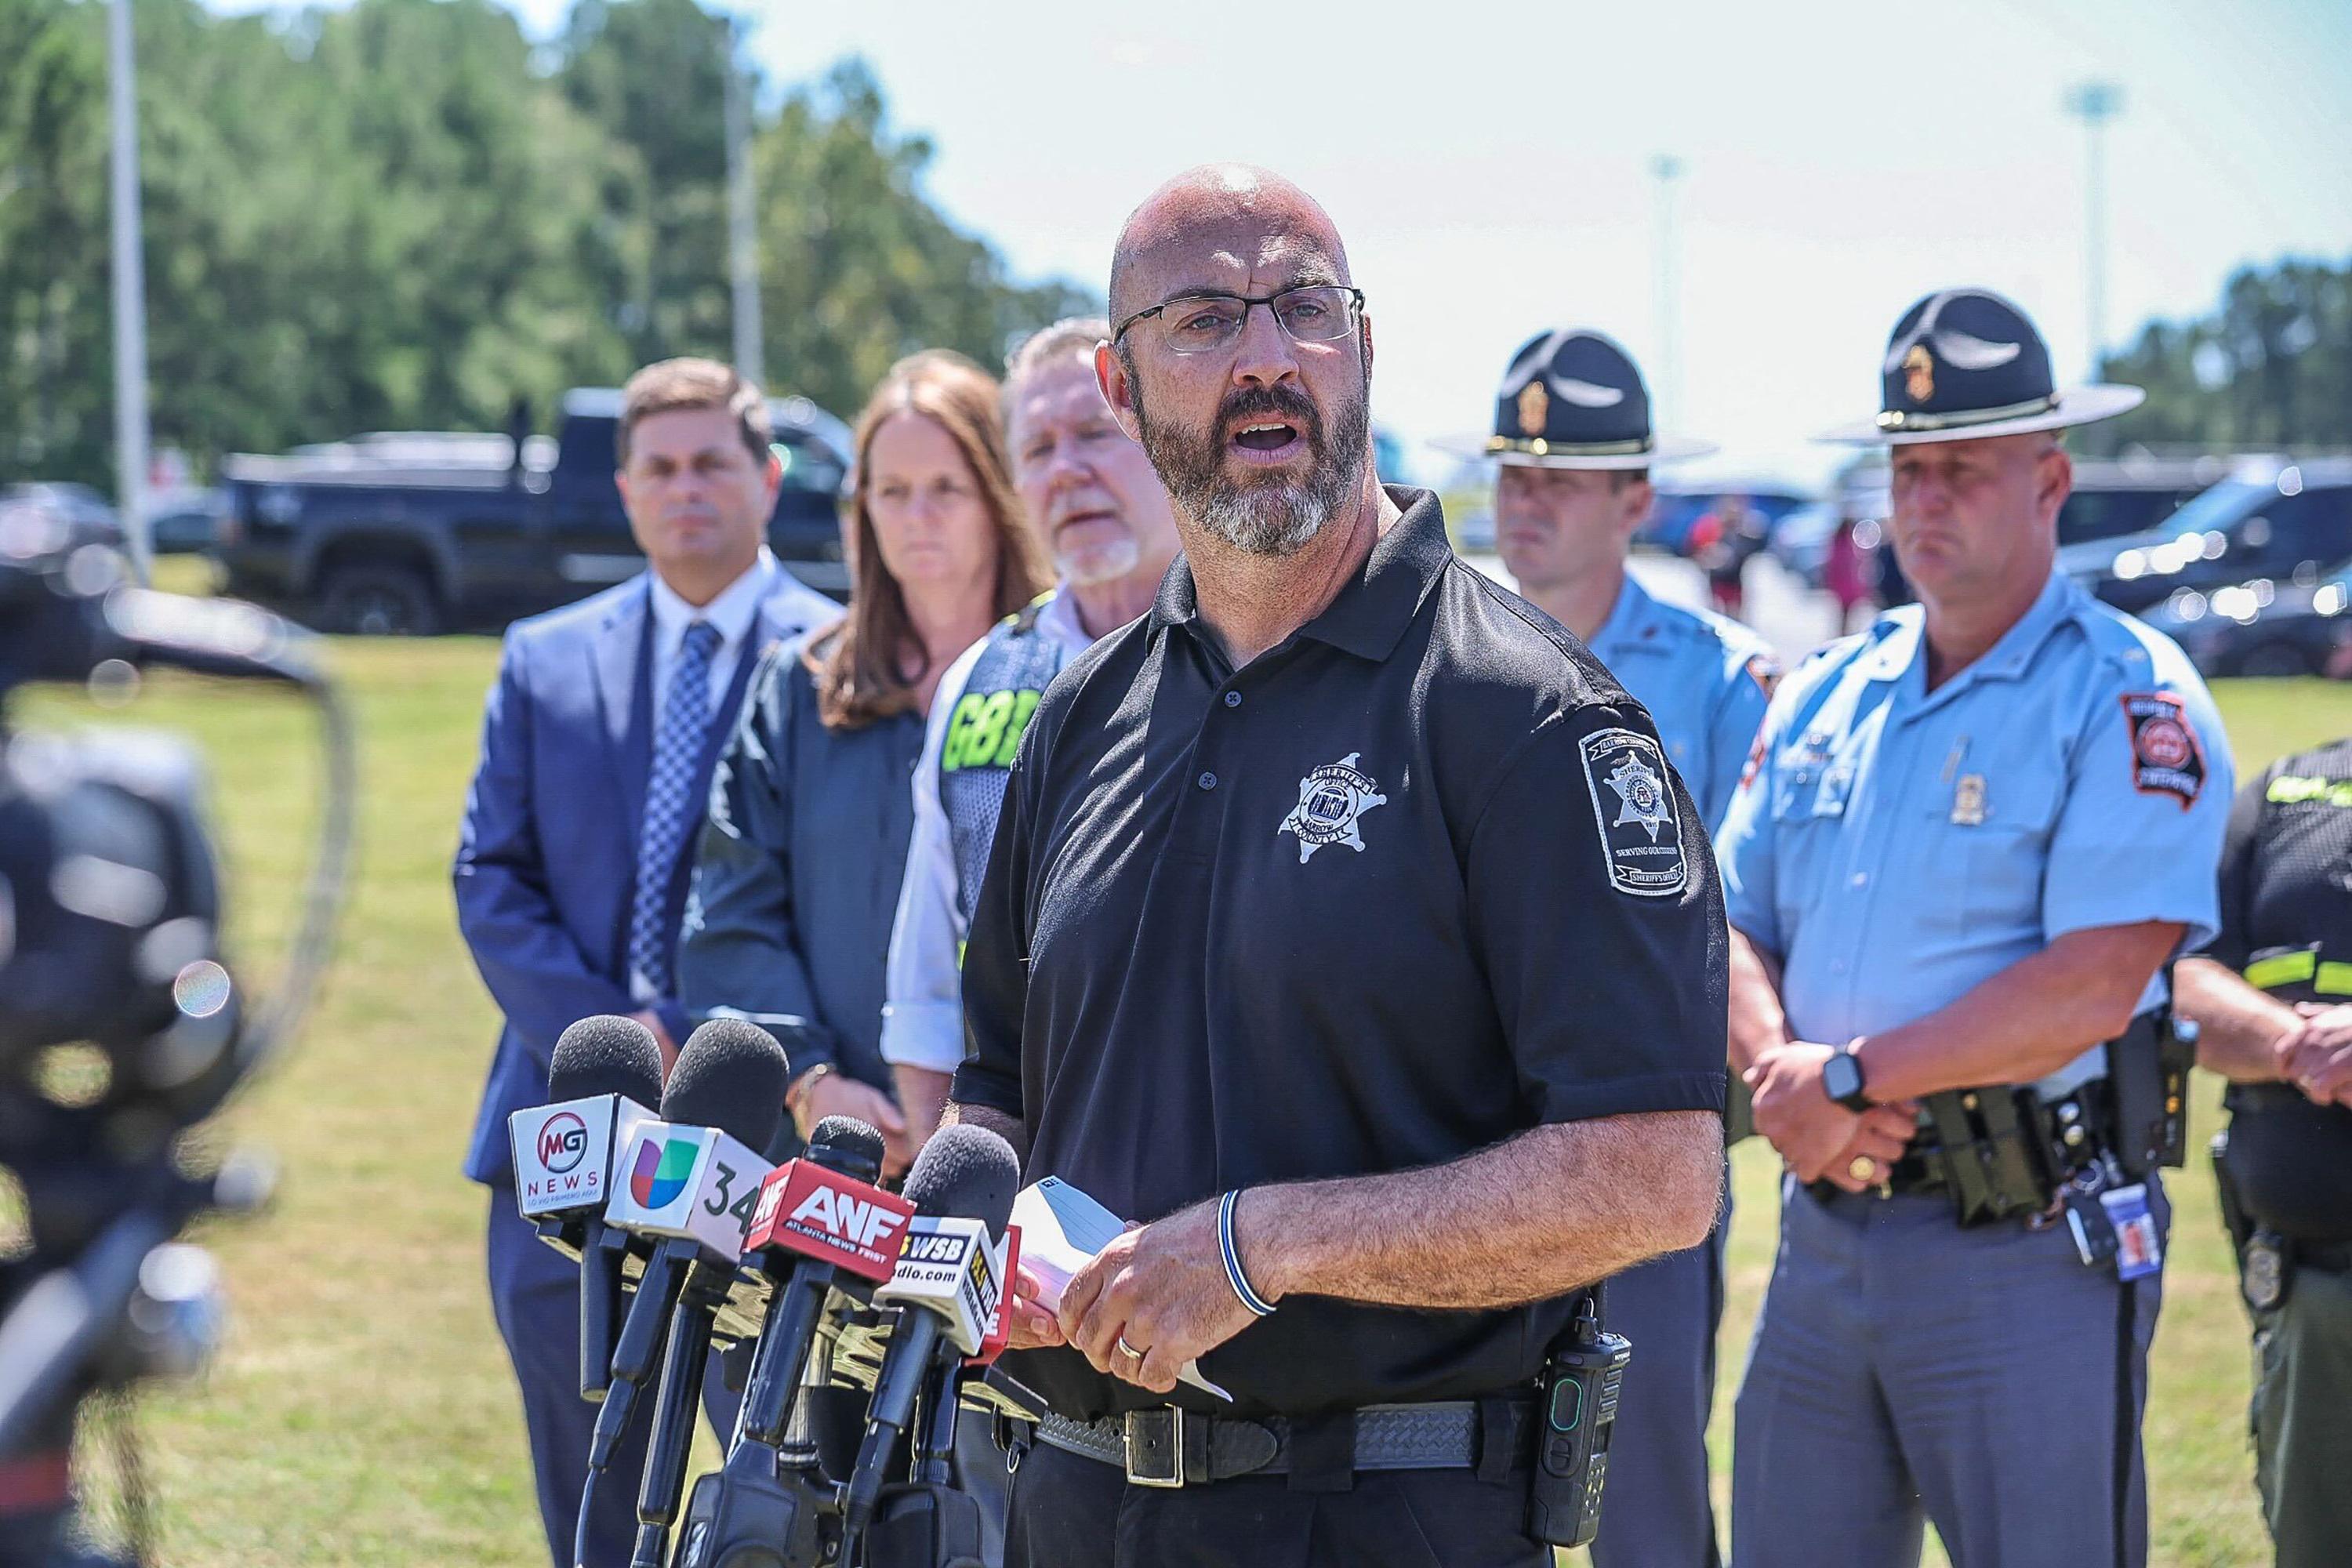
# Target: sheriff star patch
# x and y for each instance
(2165, 757)
(1633, 805)
(1330, 799)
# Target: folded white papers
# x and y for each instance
(1061, 1229)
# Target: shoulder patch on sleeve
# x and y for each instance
(2167, 758)
(1634, 806)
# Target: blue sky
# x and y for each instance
(1489, 163)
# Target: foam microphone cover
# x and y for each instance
(731, 1075)
(846, 1144)
(968, 1173)
(607, 1054)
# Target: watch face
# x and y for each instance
(1841, 1077)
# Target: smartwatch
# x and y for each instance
(1842, 1079)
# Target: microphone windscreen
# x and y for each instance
(731, 1075)
(966, 1171)
(607, 1054)
(846, 1144)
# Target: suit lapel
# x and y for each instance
(620, 660)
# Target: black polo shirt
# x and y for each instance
(1415, 881)
(2286, 921)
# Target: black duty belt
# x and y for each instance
(1176, 1447)
(2329, 1257)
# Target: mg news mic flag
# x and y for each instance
(563, 1152)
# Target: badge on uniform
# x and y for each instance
(1969, 801)
(2263, 1278)
(1330, 799)
(2167, 758)
(1633, 805)
(2139, 1251)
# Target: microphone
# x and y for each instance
(693, 1180)
(946, 1285)
(818, 1218)
(606, 1071)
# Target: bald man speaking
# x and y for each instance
(1347, 923)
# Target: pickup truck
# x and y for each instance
(420, 533)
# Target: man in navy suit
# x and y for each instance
(597, 750)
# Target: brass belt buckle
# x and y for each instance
(1155, 1448)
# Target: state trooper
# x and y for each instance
(1573, 445)
(2273, 995)
(1966, 844)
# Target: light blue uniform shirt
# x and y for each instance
(1704, 680)
(1895, 848)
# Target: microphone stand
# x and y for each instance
(680, 1394)
(928, 1522)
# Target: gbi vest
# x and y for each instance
(983, 732)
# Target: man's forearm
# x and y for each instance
(1553, 1209)
(1012, 1129)
(2025, 1022)
(2238, 1026)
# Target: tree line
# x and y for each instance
(406, 213)
(2270, 368)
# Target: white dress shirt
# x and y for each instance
(922, 1020)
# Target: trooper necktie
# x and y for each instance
(673, 808)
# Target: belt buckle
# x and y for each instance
(1155, 1447)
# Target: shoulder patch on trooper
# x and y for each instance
(1634, 806)
(2166, 757)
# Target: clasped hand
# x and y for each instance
(1818, 1138)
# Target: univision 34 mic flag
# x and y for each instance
(697, 1183)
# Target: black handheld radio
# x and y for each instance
(1578, 1407)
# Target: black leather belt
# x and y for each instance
(2329, 1257)
(1177, 1447)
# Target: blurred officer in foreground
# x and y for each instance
(1347, 923)
(1969, 840)
(2274, 995)
(1574, 448)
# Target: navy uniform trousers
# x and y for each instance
(535, 1293)
(1070, 1512)
(1907, 1369)
(1657, 1511)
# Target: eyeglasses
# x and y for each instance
(1203, 323)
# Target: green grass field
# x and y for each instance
(362, 1411)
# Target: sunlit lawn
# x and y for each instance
(362, 1411)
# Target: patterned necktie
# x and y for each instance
(672, 806)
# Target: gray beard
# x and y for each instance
(1276, 519)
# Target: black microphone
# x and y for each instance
(605, 1055)
(946, 1285)
(818, 1215)
(693, 1181)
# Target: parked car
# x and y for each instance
(185, 523)
(414, 532)
(79, 508)
(2277, 522)
(2114, 496)
(2263, 628)
(1678, 509)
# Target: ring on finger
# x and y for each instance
(1129, 1351)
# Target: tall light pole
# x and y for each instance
(2094, 104)
(130, 293)
(742, 219)
(1667, 170)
